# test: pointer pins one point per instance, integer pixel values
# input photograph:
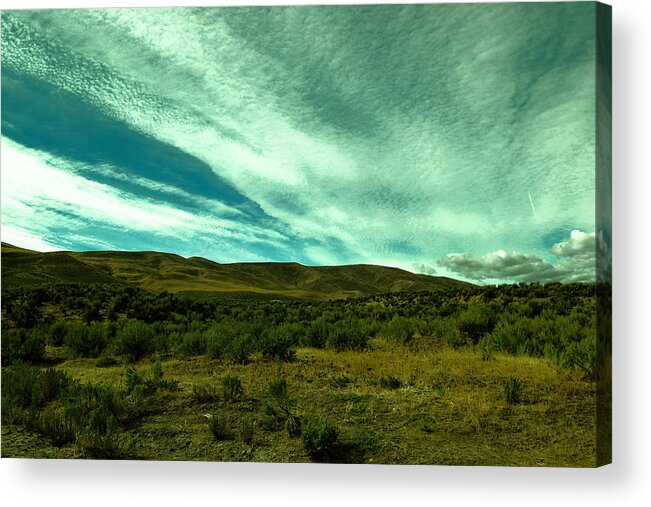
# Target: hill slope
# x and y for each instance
(163, 271)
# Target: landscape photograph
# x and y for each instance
(353, 234)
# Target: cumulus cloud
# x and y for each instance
(576, 259)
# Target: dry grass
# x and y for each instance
(449, 409)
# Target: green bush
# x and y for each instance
(232, 388)
(87, 341)
(104, 445)
(320, 439)
(194, 343)
(277, 343)
(22, 345)
(390, 382)
(134, 340)
(400, 329)
(21, 386)
(512, 390)
(204, 393)
(476, 321)
(349, 334)
(582, 355)
(219, 427)
(247, 431)
(317, 334)
(57, 334)
(240, 349)
(57, 426)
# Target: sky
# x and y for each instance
(454, 140)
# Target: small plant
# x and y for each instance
(293, 426)
(341, 381)
(232, 388)
(22, 345)
(390, 382)
(57, 334)
(320, 439)
(281, 408)
(57, 426)
(247, 431)
(218, 426)
(104, 445)
(105, 362)
(204, 393)
(512, 390)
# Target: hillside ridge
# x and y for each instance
(161, 271)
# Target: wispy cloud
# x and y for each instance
(318, 134)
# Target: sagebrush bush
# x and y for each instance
(476, 321)
(104, 445)
(87, 340)
(512, 390)
(320, 439)
(22, 345)
(277, 343)
(57, 426)
(57, 333)
(247, 431)
(232, 388)
(21, 386)
(349, 335)
(390, 382)
(134, 340)
(219, 427)
(204, 393)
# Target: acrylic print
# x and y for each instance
(333, 234)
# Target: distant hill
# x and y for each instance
(163, 271)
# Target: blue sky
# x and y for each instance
(447, 139)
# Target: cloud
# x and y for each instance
(42, 194)
(347, 135)
(576, 263)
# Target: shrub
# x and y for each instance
(232, 388)
(277, 343)
(135, 340)
(582, 355)
(194, 343)
(476, 321)
(204, 393)
(320, 439)
(57, 426)
(390, 382)
(512, 390)
(105, 362)
(400, 329)
(341, 381)
(349, 335)
(247, 431)
(104, 445)
(240, 349)
(317, 334)
(87, 341)
(57, 335)
(219, 427)
(53, 383)
(22, 345)
(21, 386)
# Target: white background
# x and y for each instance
(626, 482)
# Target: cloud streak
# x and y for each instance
(324, 135)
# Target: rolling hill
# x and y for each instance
(163, 271)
